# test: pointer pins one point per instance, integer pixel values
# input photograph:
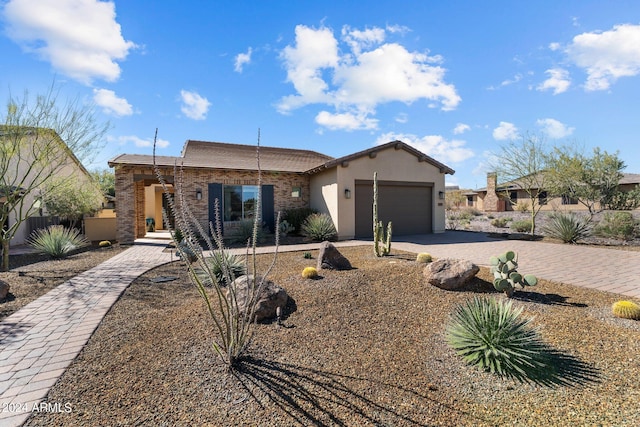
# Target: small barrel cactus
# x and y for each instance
(626, 310)
(105, 244)
(310, 273)
(505, 275)
(424, 258)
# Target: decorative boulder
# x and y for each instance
(450, 274)
(4, 290)
(270, 298)
(330, 258)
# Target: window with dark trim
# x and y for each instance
(239, 201)
(566, 200)
(469, 200)
(513, 195)
(542, 198)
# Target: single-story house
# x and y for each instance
(504, 197)
(410, 186)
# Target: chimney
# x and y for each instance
(491, 200)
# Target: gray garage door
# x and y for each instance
(407, 204)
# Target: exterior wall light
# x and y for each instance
(441, 195)
(198, 194)
(347, 193)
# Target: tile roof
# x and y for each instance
(218, 155)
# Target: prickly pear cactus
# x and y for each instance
(505, 275)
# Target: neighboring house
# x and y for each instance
(504, 197)
(410, 185)
(40, 156)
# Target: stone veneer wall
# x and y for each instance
(130, 194)
(491, 201)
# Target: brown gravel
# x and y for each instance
(33, 275)
(360, 347)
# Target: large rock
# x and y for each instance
(270, 298)
(450, 274)
(330, 258)
(4, 290)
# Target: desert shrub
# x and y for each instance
(522, 226)
(617, 225)
(424, 258)
(492, 335)
(223, 266)
(522, 207)
(499, 222)
(104, 244)
(457, 220)
(626, 310)
(319, 227)
(309, 273)
(471, 211)
(490, 216)
(243, 232)
(567, 227)
(307, 255)
(57, 241)
(296, 217)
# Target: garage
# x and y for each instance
(408, 205)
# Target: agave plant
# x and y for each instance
(224, 266)
(492, 335)
(319, 227)
(567, 227)
(57, 241)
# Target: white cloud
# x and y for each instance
(80, 38)
(436, 146)
(111, 103)
(558, 80)
(607, 56)
(460, 128)
(345, 121)
(242, 59)
(364, 71)
(554, 129)
(194, 106)
(402, 118)
(554, 46)
(505, 130)
(140, 142)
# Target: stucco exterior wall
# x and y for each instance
(391, 165)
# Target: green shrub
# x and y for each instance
(522, 207)
(618, 225)
(567, 227)
(296, 217)
(522, 226)
(457, 220)
(307, 255)
(57, 241)
(243, 233)
(286, 228)
(319, 227)
(492, 335)
(471, 211)
(499, 222)
(221, 265)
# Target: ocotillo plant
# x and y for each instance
(378, 228)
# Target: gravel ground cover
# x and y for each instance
(359, 347)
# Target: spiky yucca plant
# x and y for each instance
(626, 310)
(222, 264)
(57, 241)
(492, 335)
(567, 227)
(319, 227)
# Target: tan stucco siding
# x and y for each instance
(391, 165)
(324, 194)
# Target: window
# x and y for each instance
(240, 201)
(469, 200)
(513, 195)
(542, 198)
(296, 191)
(566, 200)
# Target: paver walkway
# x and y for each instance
(38, 342)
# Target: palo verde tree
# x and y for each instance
(41, 138)
(520, 164)
(591, 180)
(70, 199)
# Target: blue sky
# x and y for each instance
(455, 79)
